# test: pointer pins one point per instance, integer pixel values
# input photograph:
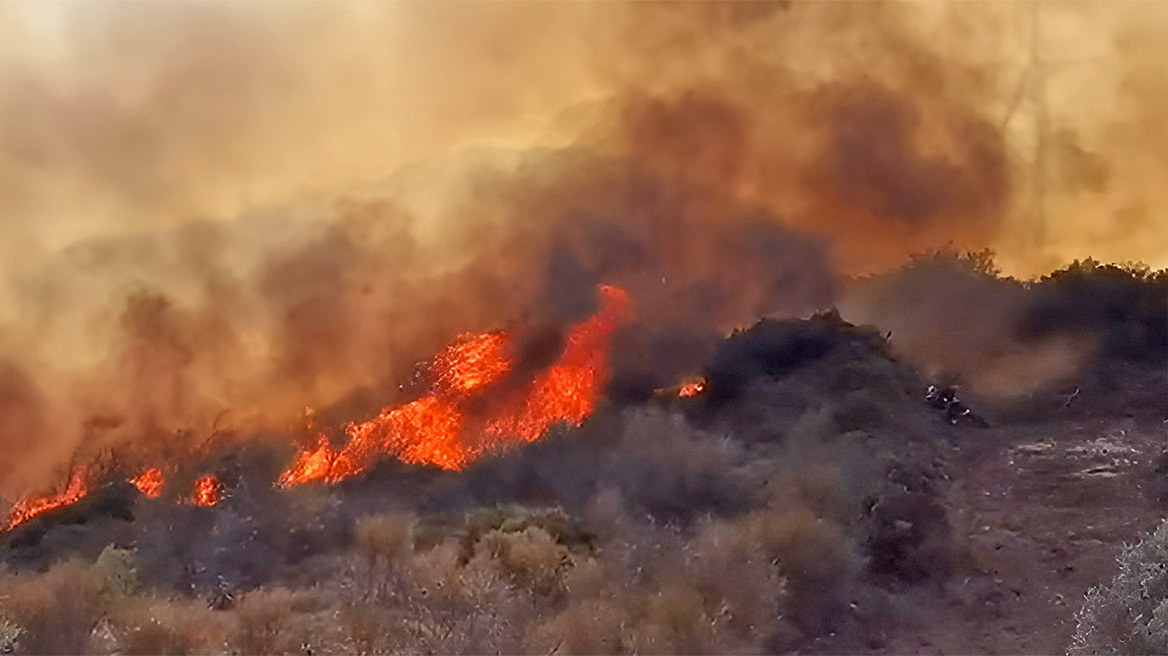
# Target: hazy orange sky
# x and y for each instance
(127, 116)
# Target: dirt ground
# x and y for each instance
(1039, 514)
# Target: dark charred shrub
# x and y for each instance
(874, 374)
(1129, 615)
(909, 537)
(769, 348)
(859, 411)
(1125, 304)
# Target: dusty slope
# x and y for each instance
(1042, 510)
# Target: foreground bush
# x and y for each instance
(1129, 615)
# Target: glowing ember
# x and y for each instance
(206, 491)
(30, 507)
(434, 429)
(149, 482)
(693, 388)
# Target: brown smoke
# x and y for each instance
(219, 214)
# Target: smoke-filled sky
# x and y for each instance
(123, 117)
(211, 205)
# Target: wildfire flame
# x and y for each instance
(568, 390)
(30, 507)
(693, 388)
(435, 429)
(206, 491)
(149, 482)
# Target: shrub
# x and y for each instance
(859, 412)
(384, 538)
(674, 620)
(383, 541)
(1129, 615)
(531, 558)
(116, 572)
(9, 636)
(592, 626)
(262, 616)
(363, 626)
(1124, 303)
(516, 519)
(146, 625)
(815, 557)
(57, 610)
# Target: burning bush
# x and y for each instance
(749, 521)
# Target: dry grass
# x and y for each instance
(57, 610)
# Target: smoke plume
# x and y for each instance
(216, 216)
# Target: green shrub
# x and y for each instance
(116, 572)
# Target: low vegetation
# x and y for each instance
(1129, 615)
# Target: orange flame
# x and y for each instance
(568, 390)
(693, 388)
(470, 363)
(433, 430)
(206, 491)
(149, 482)
(30, 507)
